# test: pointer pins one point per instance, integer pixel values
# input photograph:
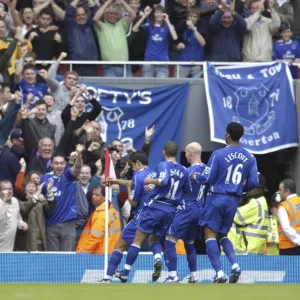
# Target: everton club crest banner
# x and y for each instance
(260, 97)
(126, 113)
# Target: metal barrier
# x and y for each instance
(177, 64)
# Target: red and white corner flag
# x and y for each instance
(109, 171)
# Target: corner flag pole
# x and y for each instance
(107, 193)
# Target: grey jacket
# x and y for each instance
(60, 93)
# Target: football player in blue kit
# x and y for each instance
(185, 222)
(156, 218)
(138, 198)
(229, 172)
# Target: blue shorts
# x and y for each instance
(218, 212)
(155, 221)
(185, 224)
(129, 231)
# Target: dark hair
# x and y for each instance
(4, 182)
(48, 94)
(152, 16)
(171, 149)
(289, 184)
(116, 140)
(139, 156)
(29, 66)
(58, 155)
(46, 11)
(39, 102)
(101, 188)
(30, 54)
(235, 130)
(195, 11)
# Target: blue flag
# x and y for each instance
(261, 98)
(126, 113)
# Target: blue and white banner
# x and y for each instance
(260, 97)
(126, 113)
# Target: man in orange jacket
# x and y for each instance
(289, 219)
(92, 239)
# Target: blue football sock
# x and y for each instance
(228, 249)
(156, 249)
(213, 253)
(131, 257)
(191, 256)
(114, 261)
(171, 256)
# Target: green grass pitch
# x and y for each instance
(148, 291)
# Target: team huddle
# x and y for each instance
(173, 202)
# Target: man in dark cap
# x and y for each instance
(10, 156)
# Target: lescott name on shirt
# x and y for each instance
(236, 155)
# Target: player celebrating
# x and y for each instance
(157, 216)
(229, 171)
(184, 225)
(138, 199)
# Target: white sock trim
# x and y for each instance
(210, 240)
(157, 256)
(172, 274)
(127, 267)
(136, 246)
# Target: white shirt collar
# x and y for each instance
(291, 196)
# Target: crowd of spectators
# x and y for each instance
(43, 124)
(145, 30)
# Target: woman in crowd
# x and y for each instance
(32, 207)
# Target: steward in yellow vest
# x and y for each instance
(252, 221)
(272, 243)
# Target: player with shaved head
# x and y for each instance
(184, 225)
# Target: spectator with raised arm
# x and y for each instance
(112, 36)
(29, 58)
(227, 28)
(38, 127)
(94, 145)
(159, 30)
(6, 55)
(29, 85)
(60, 223)
(54, 117)
(122, 166)
(9, 159)
(46, 40)
(79, 102)
(62, 93)
(6, 41)
(10, 217)
(81, 39)
(32, 207)
(191, 47)
(258, 42)
(8, 112)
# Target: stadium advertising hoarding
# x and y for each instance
(75, 268)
